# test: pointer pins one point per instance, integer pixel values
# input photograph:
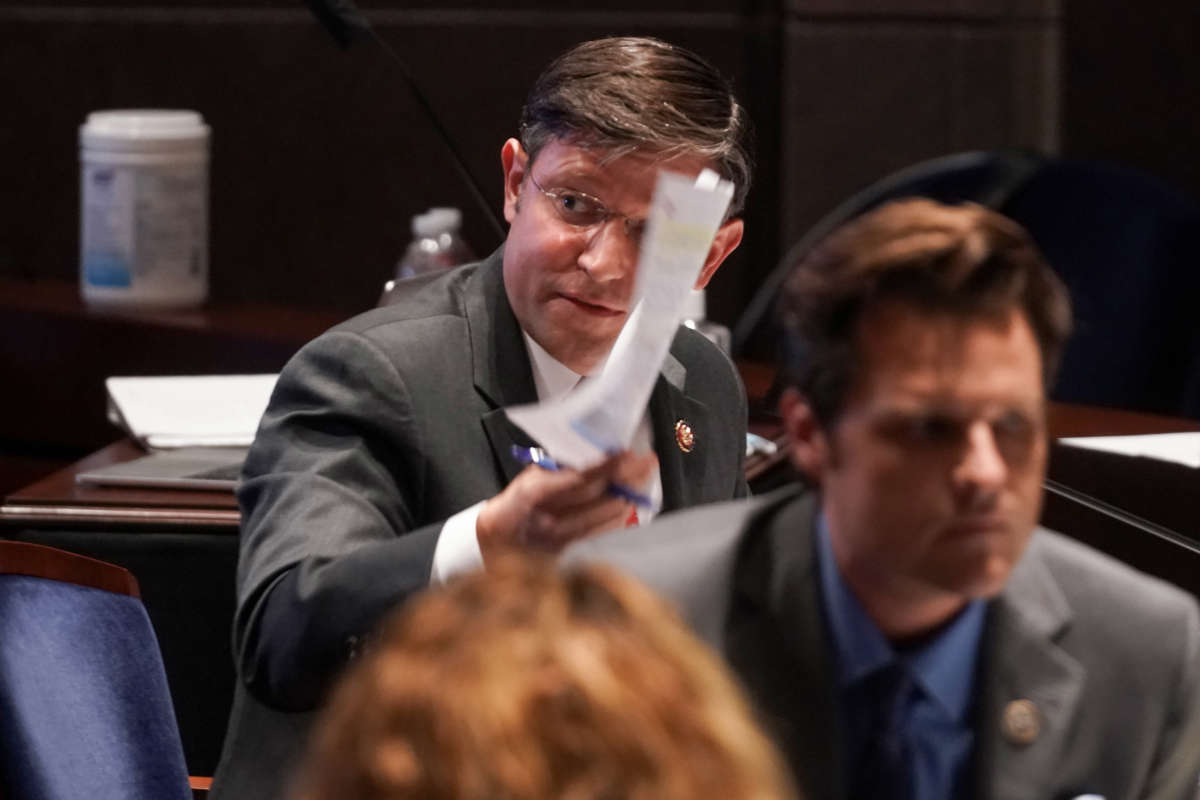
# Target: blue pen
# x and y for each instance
(538, 456)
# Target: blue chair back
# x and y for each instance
(84, 707)
(1127, 245)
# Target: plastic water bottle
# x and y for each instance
(436, 245)
(694, 309)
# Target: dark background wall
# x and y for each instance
(320, 157)
(1131, 85)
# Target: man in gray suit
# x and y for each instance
(903, 626)
(385, 460)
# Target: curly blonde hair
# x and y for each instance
(524, 683)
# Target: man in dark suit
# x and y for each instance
(385, 460)
(904, 626)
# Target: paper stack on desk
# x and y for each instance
(1178, 448)
(190, 410)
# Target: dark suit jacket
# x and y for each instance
(1110, 657)
(377, 432)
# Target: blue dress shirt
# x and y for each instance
(935, 720)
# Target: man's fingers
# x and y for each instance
(555, 531)
(547, 509)
(550, 490)
(624, 467)
(635, 470)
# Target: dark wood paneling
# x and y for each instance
(319, 156)
(863, 100)
(1131, 85)
(55, 354)
(930, 9)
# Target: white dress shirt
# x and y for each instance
(457, 548)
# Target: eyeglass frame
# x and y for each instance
(634, 228)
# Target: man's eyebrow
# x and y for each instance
(588, 181)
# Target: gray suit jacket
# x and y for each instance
(1110, 657)
(377, 432)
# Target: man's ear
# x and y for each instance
(514, 161)
(728, 237)
(809, 443)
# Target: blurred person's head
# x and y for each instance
(923, 338)
(597, 126)
(523, 683)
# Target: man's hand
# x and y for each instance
(547, 510)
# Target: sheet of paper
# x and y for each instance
(1179, 448)
(602, 416)
(190, 410)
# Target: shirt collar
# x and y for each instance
(944, 666)
(551, 377)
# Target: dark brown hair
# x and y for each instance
(964, 261)
(640, 94)
(523, 683)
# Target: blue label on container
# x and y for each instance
(106, 269)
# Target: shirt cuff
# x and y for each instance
(457, 549)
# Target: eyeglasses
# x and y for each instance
(581, 210)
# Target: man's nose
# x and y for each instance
(610, 254)
(982, 466)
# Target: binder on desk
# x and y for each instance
(189, 410)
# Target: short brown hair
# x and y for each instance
(522, 683)
(623, 94)
(963, 260)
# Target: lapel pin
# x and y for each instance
(1021, 723)
(684, 436)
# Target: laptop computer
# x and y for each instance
(202, 468)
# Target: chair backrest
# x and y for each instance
(84, 705)
(1127, 245)
(985, 177)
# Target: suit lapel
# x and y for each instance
(504, 377)
(500, 362)
(776, 641)
(682, 472)
(1024, 662)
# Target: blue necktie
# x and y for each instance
(885, 769)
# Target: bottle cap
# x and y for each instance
(436, 221)
(144, 130)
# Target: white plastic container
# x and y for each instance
(143, 228)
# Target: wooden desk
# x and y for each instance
(58, 500)
(182, 545)
(1137, 486)
(1140, 510)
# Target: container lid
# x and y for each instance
(143, 129)
(436, 221)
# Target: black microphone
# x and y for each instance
(346, 24)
